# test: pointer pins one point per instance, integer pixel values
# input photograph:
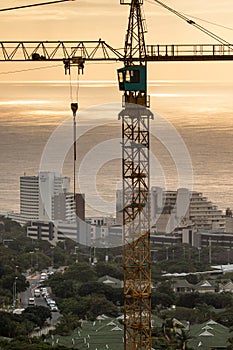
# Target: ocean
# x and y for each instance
(195, 119)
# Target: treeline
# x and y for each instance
(78, 292)
(12, 325)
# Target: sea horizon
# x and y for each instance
(200, 112)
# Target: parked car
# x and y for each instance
(43, 276)
(50, 302)
(53, 307)
(37, 293)
(50, 273)
(46, 296)
(31, 301)
(44, 291)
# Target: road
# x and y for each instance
(40, 301)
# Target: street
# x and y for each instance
(39, 301)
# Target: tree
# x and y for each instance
(169, 336)
(230, 346)
(189, 300)
(225, 317)
(109, 269)
(37, 314)
(67, 324)
(183, 338)
(25, 343)
(163, 338)
(112, 294)
(14, 325)
(75, 306)
(63, 285)
(99, 305)
(81, 273)
(164, 299)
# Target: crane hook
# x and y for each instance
(74, 108)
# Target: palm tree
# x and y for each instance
(183, 338)
(230, 346)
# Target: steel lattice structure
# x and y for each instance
(136, 227)
(99, 50)
(136, 183)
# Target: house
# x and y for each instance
(111, 281)
(205, 287)
(209, 335)
(226, 287)
(182, 286)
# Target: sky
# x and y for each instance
(107, 19)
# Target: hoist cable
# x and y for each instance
(77, 87)
(200, 19)
(213, 23)
(71, 88)
(74, 108)
(198, 26)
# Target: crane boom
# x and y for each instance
(57, 51)
(99, 50)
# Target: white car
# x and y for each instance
(43, 276)
(37, 293)
(31, 302)
(46, 296)
(53, 307)
(44, 291)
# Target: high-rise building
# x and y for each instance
(50, 186)
(170, 209)
(63, 207)
(29, 198)
(47, 197)
(184, 205)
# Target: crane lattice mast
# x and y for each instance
(135, 119)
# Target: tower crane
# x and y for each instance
(135, 119)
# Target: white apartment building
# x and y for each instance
(204, 214)
(45, 197)
(51, 185)
(29, 197)
(184, 206)
(169, 209)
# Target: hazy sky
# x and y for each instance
(107, 19)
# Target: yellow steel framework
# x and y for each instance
(136, 183)
(136, 227)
